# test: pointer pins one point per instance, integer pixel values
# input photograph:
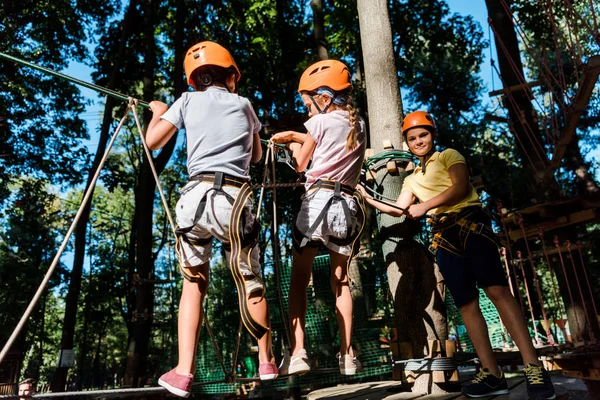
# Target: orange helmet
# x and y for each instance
(327, 73)
(417, 119)
(208, 53)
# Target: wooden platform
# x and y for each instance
(566, 389)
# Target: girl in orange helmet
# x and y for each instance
(222, 140)
(466, 252)
(332, 212)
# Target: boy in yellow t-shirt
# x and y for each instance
(466, 253)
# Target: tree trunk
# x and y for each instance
(143, 310)
(420, 312)
(520, 110)
(142, 302)
(586, 184)
(286, 55)
(319, 28)
(68, 330)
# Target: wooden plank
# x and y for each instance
(532, 231)
(374, 390)
(515, 88)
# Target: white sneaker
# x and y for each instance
(293, 365)
(349, 365)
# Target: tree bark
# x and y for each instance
(143, 309)
(70, 319)
(142, 302)
(417, 302)
(319, 28)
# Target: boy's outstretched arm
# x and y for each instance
(404, 201)
(159, 131)
(459, 175)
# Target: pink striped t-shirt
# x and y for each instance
(331, 160)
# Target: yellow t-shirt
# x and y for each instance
(436, 180)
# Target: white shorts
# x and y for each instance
(334, 225)
(214, 223)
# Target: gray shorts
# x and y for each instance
(214, 223)
(334, 226)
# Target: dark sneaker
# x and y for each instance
(485, 384)
(539, 385)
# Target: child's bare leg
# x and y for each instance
(190, 318)
(478, 332)
(513, 319)
(257, 305)
(299, 280)
(343, 298)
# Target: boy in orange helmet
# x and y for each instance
(222, 139)
(332, 212)
(466, 253)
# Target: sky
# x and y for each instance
(475, 8)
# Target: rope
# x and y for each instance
(587, 319)
(537, 337)
(552, 277)
(427, 364)
(586, 278)
(537, 284)
(98, 88)
(510, 254)
(557, 244)
(388, 155)
(56, 259)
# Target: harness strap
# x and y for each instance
(236, 243)
(467, 225)
(218, 179)
(337, 188)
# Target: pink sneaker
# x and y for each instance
(179, 385)
(268, 371)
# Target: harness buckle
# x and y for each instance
(218, 182)
(337, 189)
(477, 228)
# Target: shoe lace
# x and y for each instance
(481, 376)
(534, 375)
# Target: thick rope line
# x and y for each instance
(557, 244)
(585, 310)
(149, 156)
(536, 283)
(586, 278)
(510, 254)
(552, 277)
(276, 250)
(101, 89)
(84, 202)
(519, 74)
(537, 337)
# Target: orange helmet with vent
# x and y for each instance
(208, 53)
(418, 119)
(327, 73)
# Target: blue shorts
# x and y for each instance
(476, 264)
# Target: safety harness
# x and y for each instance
(240, 237)
(301, 239)
(458, 226)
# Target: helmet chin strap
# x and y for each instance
(426, 158)
(324, 111)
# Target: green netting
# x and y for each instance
(456, 325)
(322, 341)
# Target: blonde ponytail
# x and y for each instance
(351, 138)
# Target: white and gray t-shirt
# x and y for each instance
(219, 128)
